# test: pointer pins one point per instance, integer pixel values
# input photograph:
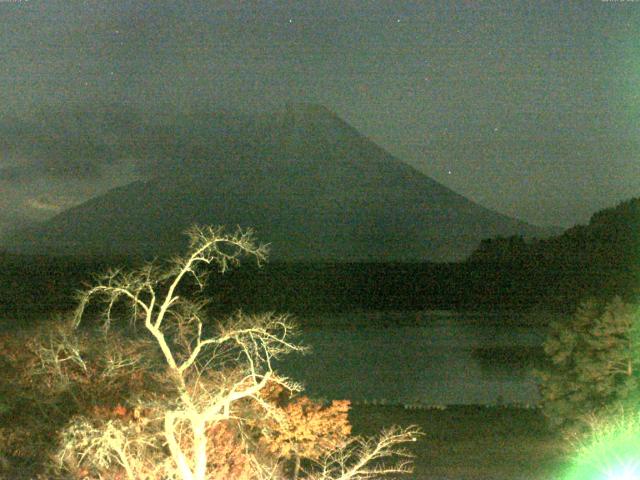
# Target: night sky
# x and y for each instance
(529, 108)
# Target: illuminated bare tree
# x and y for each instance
(364, 459)
(211, 372)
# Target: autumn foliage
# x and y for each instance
(310, 429)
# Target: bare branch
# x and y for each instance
(362, 459)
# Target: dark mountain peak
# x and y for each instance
(311, 119)
(308, 182)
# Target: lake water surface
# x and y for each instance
(448, 359)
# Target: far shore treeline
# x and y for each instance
(601, 259)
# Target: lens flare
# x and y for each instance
(611, 453)
(626, 471)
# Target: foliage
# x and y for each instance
(21, 432)
(593, 363)
(501, 250)
(309, 428)
(303, 428)
(53, 373)
(174, 395)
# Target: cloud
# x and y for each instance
(60, 156)
(26, 202)
(66, 143)
(50, 203)
(84, 142)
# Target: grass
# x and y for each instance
(472, 442)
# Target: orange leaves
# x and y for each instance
(120, 411)
(104, 412)
(312, 429)
(307, 428)
(295, 428)
(226, 454)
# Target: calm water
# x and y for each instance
(433, 364)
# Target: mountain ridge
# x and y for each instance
(307, 181)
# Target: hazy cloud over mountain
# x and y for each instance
(66, 143)
(528, 108)
(306, 180)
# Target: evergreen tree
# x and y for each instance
(593, 363)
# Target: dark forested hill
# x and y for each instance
(601, 258)
(611, 238)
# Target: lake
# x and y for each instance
(431, 358)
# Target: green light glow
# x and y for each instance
(612, 453)
(627, 471)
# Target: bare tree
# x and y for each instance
(363, 459)
(211, 372)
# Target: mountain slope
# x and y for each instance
(308, 183)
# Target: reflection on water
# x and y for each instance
(448, 361)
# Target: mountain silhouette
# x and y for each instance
(308, 183)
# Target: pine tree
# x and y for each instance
(593, 363)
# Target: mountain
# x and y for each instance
(306, 181)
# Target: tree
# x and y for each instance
(204, 407)
(593, 363)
